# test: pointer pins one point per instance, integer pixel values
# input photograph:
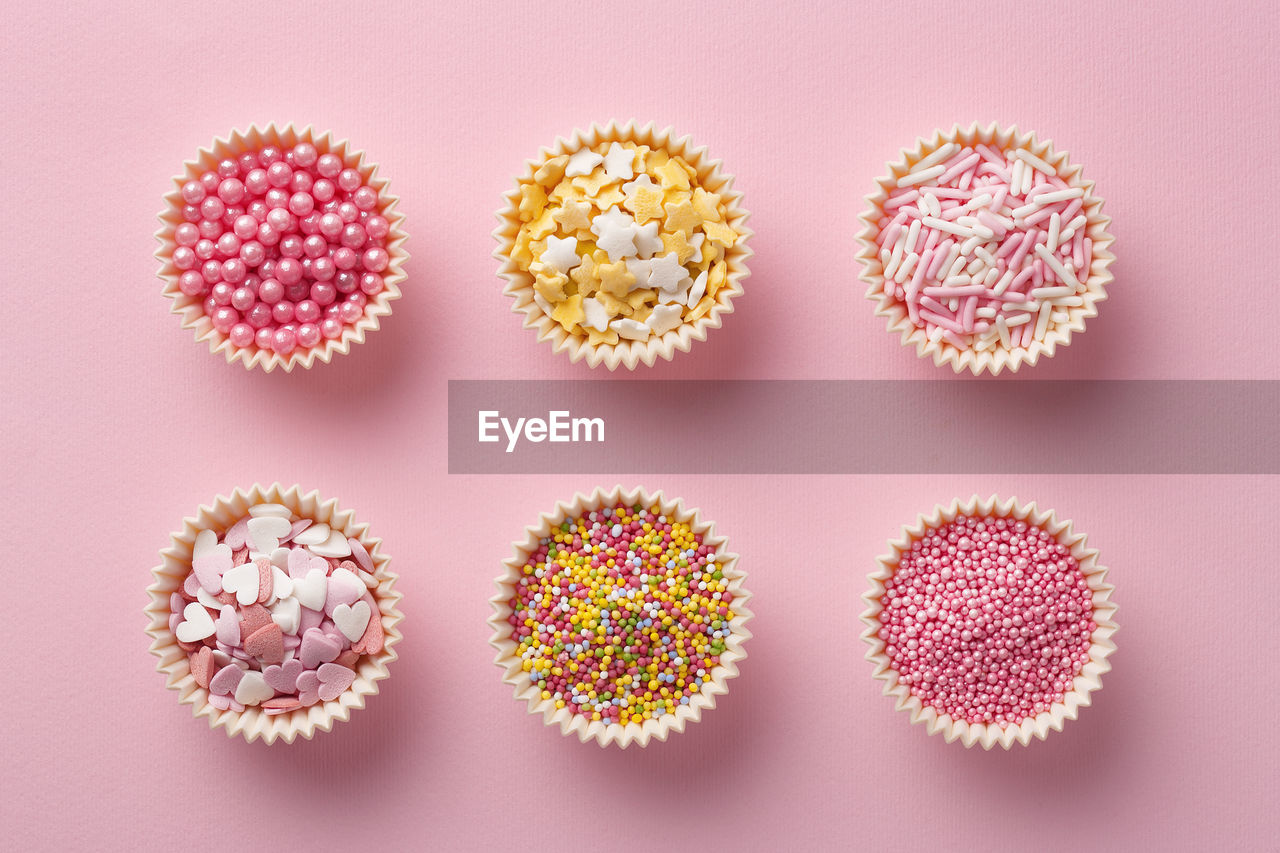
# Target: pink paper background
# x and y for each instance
(115, 424)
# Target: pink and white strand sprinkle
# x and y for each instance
(985, 247)
(988, 620)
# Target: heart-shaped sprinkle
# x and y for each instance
(259, 510)
(205, 541)
(225, 703)
(209, 566)
(236, 535)
(313, 535)
(280, 705)
(213, 602)
(191, 585)
(253, 689)
(310, 619)
(334, 680)
(348, 658)
(284, 678)
(252, 618)
(361, 555)
(281, 583)
(370, 643)
(228, 626)
(239, 558)
(243, 582)
(302, 561)
(335, 546)
(344, 588)
(266, 644)
(280, 557)
(286, 613)
(202, 666)
(317, 648)
(298, 527)
(196, 624)
(225, 681)
(352, 619)
(312, 590)
(265, 532)
(266, 582)
(308, 688)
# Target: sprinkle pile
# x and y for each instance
(622, 242)
(985, 247)
(284, 246)
(987, 619)
(622, 614)
(273, 614)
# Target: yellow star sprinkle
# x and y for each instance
(551, 287)
(615, 279)
(681, 217)
(608, 336)
(569, 312)
(643, 199)
(565, 191)
(640, 297)
(678, 243)
(542, 226)
(573, 215)
(611, 303)
(550, 172)
(593, 183)
(608, 197)
(703, 306)
(706, 204)
(720, 233)
(654, 159)
(673, 177)
(718, 277)
(533, 199)
(585, 276)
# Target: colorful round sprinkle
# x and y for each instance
(987, 619)
(621, 614)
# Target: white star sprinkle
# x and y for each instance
(665, 273)
(664, 318)
(561, 255)
(617, 163)
(640, 269)
(648, 241)
(630, 329)
(597, 315)
(615, 232)
(642, 182)
(582, 162)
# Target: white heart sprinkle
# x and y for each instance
(265, 532)
(287, 614)
(243, 581)
(196, 624)
(352, 619)
(253, 689)
(335, 546)
(206, 598)
(261, 510)
(281, 583)
(310, 591)
(280, 557)
(206, 541)
(313, 535)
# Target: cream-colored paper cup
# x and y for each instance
(252, 723)
(191, 308)
(1087, 680)
(519, 284)
(508, 658)
(997, 358)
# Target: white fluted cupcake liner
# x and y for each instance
(622, 734)
(191, 308)
(998, 358)
(629, 354)
(1087, 680)
(252, 723)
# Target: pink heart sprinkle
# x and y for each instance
(361, 555)
(317, 648)
(237, 535)
(208, 569)
(265, 581)
(298, 527)
(227, 626)
(309, 619)
(226, 681)
(190, 587)
(334, 680)
(284, 678)
(308, 688)
(302, 561)
(266, 643)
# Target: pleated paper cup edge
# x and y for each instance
(252, 723)
(191, 310)
(1087, 681)
(996, 359)
(519, 284)
(620, 734)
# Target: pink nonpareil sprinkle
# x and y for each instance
(987, 619)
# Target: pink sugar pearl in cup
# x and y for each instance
(281, 247)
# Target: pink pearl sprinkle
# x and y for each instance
(271, 239)
(988, 620)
